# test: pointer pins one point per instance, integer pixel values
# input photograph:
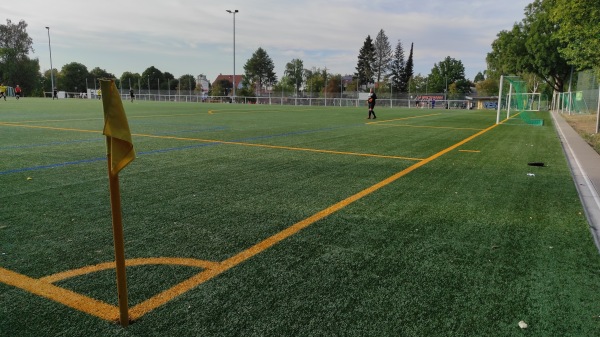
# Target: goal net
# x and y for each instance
(518, 99)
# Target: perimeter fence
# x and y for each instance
(345, 99)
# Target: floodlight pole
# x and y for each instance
(51, 69)
(233, 80)
(446, 76)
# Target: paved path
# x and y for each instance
(585, 168)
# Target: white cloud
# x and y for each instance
(193, 37)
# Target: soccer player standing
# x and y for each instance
(371, 102)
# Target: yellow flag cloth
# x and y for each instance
(119, 144)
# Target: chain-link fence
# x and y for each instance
(584, 99)
(343, 99)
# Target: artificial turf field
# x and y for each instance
(257, 220)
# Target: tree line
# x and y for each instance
(555, 38)
(378, 65)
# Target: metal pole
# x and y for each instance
(233, 12)
(499, 100)
(391, 94)
(598, 113)
(325, 86)
(510, 88)
(570, 93)
(51, 68)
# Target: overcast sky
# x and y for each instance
(196, 36)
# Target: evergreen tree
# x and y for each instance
(366, 59)
(383, 55)
(479, 77)
(408, 69)
(397, 69)
(259, 70)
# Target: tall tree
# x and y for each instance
(130, 80)
(397, 69)
(383, 55)
(479, 77)
(579, 29)
(294, 72)
(446, 73)
(532, 46)
(28, 77)
(169, 81)
(418, 84)
(73, 77)
(333, 85)
(187, 82)
(151, 77)
(487, 87)
(366, 60)
(15, 65)
(259, 70)
(409, 67)
(101, 73)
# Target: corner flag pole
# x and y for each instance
(119, 242)
(119, 153)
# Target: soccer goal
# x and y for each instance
(518, 99)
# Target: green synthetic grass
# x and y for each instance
(469, 244)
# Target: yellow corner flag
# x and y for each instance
(120, 153)
(116, 128)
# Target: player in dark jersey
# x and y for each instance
(371, 102)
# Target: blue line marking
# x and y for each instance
(43, 167)
(181, 148)
(50, 144)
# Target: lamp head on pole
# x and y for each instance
(230, 11)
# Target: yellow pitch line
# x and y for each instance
(431, 127)
(276, 147)
(226, 142)
(403, 119)
(129, 263)
(53, 120)
(49, 128)
(166, 296)
(100, 118)
(67, 297)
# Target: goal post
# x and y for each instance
(519, 99)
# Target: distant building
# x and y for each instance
(203, 81)
(229, 78)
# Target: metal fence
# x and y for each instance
(345, 99)
(585, 99)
